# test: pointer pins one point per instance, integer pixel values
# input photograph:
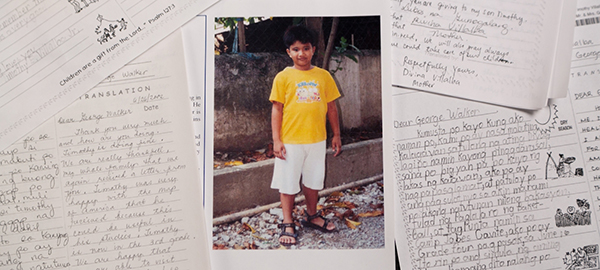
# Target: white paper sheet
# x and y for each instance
(559, 86)
(499, 52)
(481, 186)
(585, 79)
(485, 186)
(110, 182)
(53, 51)
(302, 259)
(194, 44)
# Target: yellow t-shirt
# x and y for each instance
(304, 95)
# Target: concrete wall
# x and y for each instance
(360, 86)
(247, 186)
(243, 84)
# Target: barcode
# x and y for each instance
(587, 21)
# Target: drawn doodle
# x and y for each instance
(110, 31)
(573, 216)
(550, 122)
(562, 168)
(77, 4)
(582, 258)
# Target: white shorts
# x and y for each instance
(306, 160)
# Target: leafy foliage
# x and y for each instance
(344, 51)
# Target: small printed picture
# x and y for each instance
(582, 258)
(574, 216)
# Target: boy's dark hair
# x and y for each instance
(298, 33)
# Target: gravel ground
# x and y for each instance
(361, 207)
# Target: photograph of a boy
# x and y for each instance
(303, 97)
(330, 109)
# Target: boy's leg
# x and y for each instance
(313, 176)
(287, 205)
(312, 198)
(286, 178)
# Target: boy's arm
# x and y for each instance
(332, 114)
(276, 116)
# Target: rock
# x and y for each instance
(262, 245)
(368, 235)
(322, 200)
(276, 212)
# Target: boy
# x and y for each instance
(302, 97)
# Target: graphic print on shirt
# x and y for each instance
(307, 92)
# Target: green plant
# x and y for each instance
(343, 51)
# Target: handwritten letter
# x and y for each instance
(585, 94)
(53, 51)
(110, 182)
(494, 51)
(485, 187)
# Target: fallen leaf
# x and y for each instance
(332, 199)
(326, 212)
(371, 214)
(236, 246)
(376, 206)
(336, 194)
(250, 245)
(258, 237)
(234, 163)
(348, 214)
(352, 224)
(348, 205)
(248, 227)
(220, 246)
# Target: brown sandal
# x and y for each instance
(283, 227)
(308, 222)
